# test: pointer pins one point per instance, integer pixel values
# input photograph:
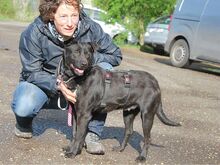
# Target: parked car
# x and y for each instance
(97, 14)
(157, 32)
(114, 30)
(194, 32)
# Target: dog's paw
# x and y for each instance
(117, 149)
(140, 159)
(66, 148)
(69, 155)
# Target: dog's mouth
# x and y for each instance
(77, 71)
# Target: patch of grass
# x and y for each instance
(146, 48)
(130, 46)
(5, 18)
(217, 70)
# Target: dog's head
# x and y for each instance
(78, 58)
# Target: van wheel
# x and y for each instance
(179, 54)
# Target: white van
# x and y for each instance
(194, 32)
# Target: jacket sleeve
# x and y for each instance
(107, 51)
(32, 63)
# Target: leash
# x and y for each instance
(70, 116)
(70, 110)
(58, 82)
(59, 67)
(70, 113)
(59, 105)
(68, 104)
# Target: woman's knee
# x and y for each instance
(28, 99)
(105, 66)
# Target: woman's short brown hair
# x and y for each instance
(48, 8)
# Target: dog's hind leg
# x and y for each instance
(147, 116)
(128, 117)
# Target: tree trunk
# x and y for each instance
(25, 8)
(141, 37)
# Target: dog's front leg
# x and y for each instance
(77, 144)
(67, 149)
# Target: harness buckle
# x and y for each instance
(108, 77)
(127, 80)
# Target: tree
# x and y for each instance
(135, 14)
(26, 9)
(6, 9)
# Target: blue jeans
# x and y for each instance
(28, 100)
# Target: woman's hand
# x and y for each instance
(68, 94)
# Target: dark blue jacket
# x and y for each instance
(40, 51)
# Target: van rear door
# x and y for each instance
(208, 35)
(189, 9)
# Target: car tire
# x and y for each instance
(179, 54)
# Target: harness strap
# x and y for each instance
(108, 79)
(127, 81)
(59, 67)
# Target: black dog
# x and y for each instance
(104, 91)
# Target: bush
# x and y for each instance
(7, 9)
(26, 10)
(20, 10)
(120, 39)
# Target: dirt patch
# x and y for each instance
(190, 96)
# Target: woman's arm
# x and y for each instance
(30, 51)
(107, 51)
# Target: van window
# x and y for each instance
(189, 11)
(163, 20)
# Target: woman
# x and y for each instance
(41, 48)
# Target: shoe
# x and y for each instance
(93, 145)
(23, 132)
(23, 127)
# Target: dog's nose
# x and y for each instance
(84, 64)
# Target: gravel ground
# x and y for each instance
(190, 96)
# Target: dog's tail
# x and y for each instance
(164, 119)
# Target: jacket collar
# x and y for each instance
(44, 29)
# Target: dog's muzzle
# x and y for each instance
(77, 71)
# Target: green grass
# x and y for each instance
(4, 18)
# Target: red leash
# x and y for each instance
(70, 116)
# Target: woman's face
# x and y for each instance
(66, 19)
